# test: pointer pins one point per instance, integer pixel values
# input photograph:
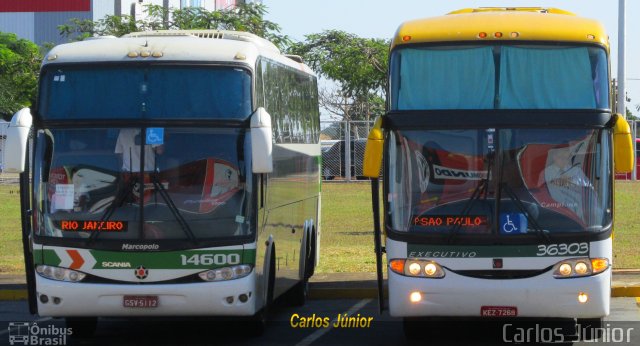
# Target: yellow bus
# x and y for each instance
(500, 143)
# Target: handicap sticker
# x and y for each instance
(513, 223)
(155, 135)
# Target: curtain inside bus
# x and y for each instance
(430, 81)
(534, 78)
(149, 92)
(500, 76)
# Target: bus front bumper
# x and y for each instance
(459, 296)
(183, 299)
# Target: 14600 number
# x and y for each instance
(210, 259)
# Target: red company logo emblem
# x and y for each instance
(142, 272)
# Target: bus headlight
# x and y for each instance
(416, 268)
(226, 273)
(565, 269)
(579, 267)
(59, 274)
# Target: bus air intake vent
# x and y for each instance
(500, 274)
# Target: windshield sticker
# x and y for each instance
(63, 197)
(89, 226)
(441, 172)
(513, 223)
(155, 135)
(424, 174)
(450, 220)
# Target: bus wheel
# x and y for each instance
(298, 294)
(310, 265)
(82, 326)
(258, 323)
(590, 328)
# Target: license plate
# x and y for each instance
(140, 301)
(498, 311)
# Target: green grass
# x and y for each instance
(347, 228)
(626, 237)
(347, 236)
(11, 260)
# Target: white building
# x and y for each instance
(38, 20)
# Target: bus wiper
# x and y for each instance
(483, 187)
(174, 210)
(518, 202)
(121, 197)
(126, 192)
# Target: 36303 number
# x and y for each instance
(563, 249)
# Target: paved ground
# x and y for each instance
(284, 328)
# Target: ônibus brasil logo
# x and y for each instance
(30, 333)
(142, 272)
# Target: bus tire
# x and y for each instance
(299, 293)
(82, 327)
(310, 265)
(258, 322)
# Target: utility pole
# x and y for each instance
(621, 59)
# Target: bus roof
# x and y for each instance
(515, 24)
(173, 45)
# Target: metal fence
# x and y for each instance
(338, 153)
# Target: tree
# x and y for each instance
(630, 115)
(19, 65)
(358, 66)
(244, 17)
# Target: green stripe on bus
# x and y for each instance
(50, 257)
(191, 259)
(496, 251)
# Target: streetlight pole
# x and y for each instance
(621, 59)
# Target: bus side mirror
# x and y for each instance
(622, 146)
(15, 152)
(373, 151)
(261, 142)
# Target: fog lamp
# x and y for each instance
(415, 297)
(583, 297)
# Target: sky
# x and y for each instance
(380, 19)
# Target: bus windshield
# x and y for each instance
(548, 181)
(152, 92)
(195, 183)
(499, 77)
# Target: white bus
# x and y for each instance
(175, 173)
(499, 147)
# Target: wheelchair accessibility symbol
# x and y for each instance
(509, 227)
(513, 223)
(155, 135)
